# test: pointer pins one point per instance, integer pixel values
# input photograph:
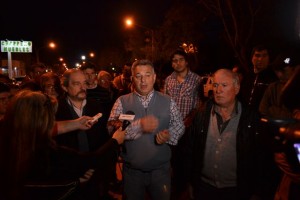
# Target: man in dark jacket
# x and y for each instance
(74, 105)
(224, 152)
(255, 83)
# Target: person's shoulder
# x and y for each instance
(268, 75)
(118, 77)
(170, 76)
(191, 73)
(162, 94)
(62, 101)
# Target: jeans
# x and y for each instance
(156, 182)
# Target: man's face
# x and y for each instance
(179, 63)
(4, 100)
(260, 60)
(77, 86)
(90, 75)
(225, 90)
(143, 79)
(285, 74)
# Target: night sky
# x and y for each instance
(92, 25)
(77, 27)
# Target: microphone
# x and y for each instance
(129, 116)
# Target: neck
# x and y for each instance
(226, 111)
(76, 103)
(181, 75)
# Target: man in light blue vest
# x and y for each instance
(157, 124)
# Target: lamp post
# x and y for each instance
(129, 23)
(51, 45)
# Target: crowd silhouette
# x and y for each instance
(180, 145)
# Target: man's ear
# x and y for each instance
(64, 88)
(237, 89)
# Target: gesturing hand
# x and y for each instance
(162, 137)
(149, 123)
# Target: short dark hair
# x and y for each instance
(260, 47)
(179, 52)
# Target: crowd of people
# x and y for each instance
(178, 145)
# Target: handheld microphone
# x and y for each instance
(129, 116)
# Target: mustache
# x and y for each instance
(81, 91)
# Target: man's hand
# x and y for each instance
(149, 123)
(162, 137)
(81, 123)
(119, 135)
(87, 176)
(84, 122)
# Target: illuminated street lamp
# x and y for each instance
(92, 55)
(51, 45)
(129, 23)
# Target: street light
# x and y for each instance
(129, 23)
(51, 45)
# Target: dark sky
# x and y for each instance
(77, 27)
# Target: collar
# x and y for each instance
(148, 96)
(215, 109)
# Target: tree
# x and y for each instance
(238, 19)
(182, 25)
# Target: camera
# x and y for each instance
(286, 138)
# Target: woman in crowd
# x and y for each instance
(50, 84)
(28, 153)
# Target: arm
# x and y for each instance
(176, 125)
(81, 123)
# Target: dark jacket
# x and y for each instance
(96, 136)
(252, 158)
(253, 87)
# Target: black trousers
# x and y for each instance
(204, 191)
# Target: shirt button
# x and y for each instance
(219, 140)
(217, 152)
(215, 166)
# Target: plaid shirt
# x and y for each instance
(185, 94)
(134, 131)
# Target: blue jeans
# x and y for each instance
(156, 182)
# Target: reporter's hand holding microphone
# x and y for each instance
(119, 134)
